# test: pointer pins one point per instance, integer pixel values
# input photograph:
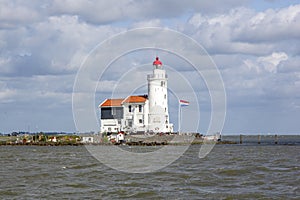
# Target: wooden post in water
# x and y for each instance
(241, 139)
(259, 139)
(276, 139)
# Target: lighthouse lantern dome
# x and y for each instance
(157, 62)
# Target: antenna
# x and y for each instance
(155, 50)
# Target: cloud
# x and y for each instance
(43, 44)
(6, 94)
(15, 13)
(270, 25)
(23, 90)
(264, 84)
(292, 65)
(255, 52)
(148, 23)
(54, 46)
(243, 30)
(135, 10)
(267, 63)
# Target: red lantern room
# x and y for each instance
(157, 62)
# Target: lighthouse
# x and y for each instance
(158, 118)
(139, 114)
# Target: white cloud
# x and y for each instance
(271, 62)
(267, 63)
(17, 12)
(271, 25)
(148, 23)
(4, 61)
(136, 10)
(57, 45)
(6, 94)
(243, 30)
(43, 43)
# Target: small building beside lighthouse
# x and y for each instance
(140, 113)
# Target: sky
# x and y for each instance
(255, 45)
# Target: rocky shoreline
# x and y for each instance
(131, 140)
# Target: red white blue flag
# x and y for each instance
(184, 103)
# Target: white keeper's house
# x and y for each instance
(141, 113)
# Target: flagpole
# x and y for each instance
(179, 127)
(181, 104)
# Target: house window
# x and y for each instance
(129, 108)
(165, 96)
(140, 121)
(140, 108)
(161, 83)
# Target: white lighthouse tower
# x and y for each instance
(158, 120)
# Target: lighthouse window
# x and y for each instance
(140, 108)
(129, 108)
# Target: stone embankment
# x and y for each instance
(166, 139)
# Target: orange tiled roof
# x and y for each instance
(111, 102)
(135, 99)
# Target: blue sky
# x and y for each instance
(255, 45)
(271, 4)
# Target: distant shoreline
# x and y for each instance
(143, 140)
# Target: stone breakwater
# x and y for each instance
(169, 140)
(133, 140)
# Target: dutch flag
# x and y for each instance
(184, 103)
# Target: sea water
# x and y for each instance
(233, 171)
